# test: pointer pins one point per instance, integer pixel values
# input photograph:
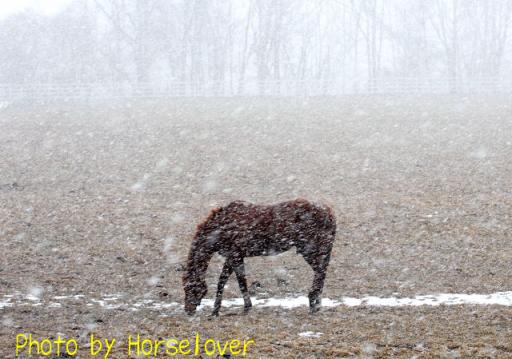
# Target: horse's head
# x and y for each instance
(201, 251)
(194, 292)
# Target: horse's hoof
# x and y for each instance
(313, 310)
(215, 313)
(247, 309)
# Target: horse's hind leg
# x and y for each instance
(316, 291)
(319, 263)
(224, 276)
(242, 283)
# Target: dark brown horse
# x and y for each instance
(242, 229)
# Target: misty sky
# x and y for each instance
(249, 47)
(46, 7)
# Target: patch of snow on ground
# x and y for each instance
(114, 301)
(6, 302)
(310, 334)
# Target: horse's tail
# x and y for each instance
(330, 221)
(330, 226)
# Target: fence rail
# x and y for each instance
(13, 92)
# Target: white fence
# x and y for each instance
(406, 86)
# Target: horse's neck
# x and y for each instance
(199, 258)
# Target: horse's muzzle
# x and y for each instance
(190, 309)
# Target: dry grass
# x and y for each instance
(104, 199)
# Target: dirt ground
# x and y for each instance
(102, 199)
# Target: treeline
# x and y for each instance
(230, 43)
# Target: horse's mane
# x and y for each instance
(197, 243)
(214, 212)
(211, 215)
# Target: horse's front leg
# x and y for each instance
(242, 283)
(224, 276)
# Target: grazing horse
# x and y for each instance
(242, 229)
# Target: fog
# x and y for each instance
(254, 47)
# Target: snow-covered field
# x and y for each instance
(98, 204)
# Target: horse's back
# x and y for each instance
(299, 214)
(271, 229)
